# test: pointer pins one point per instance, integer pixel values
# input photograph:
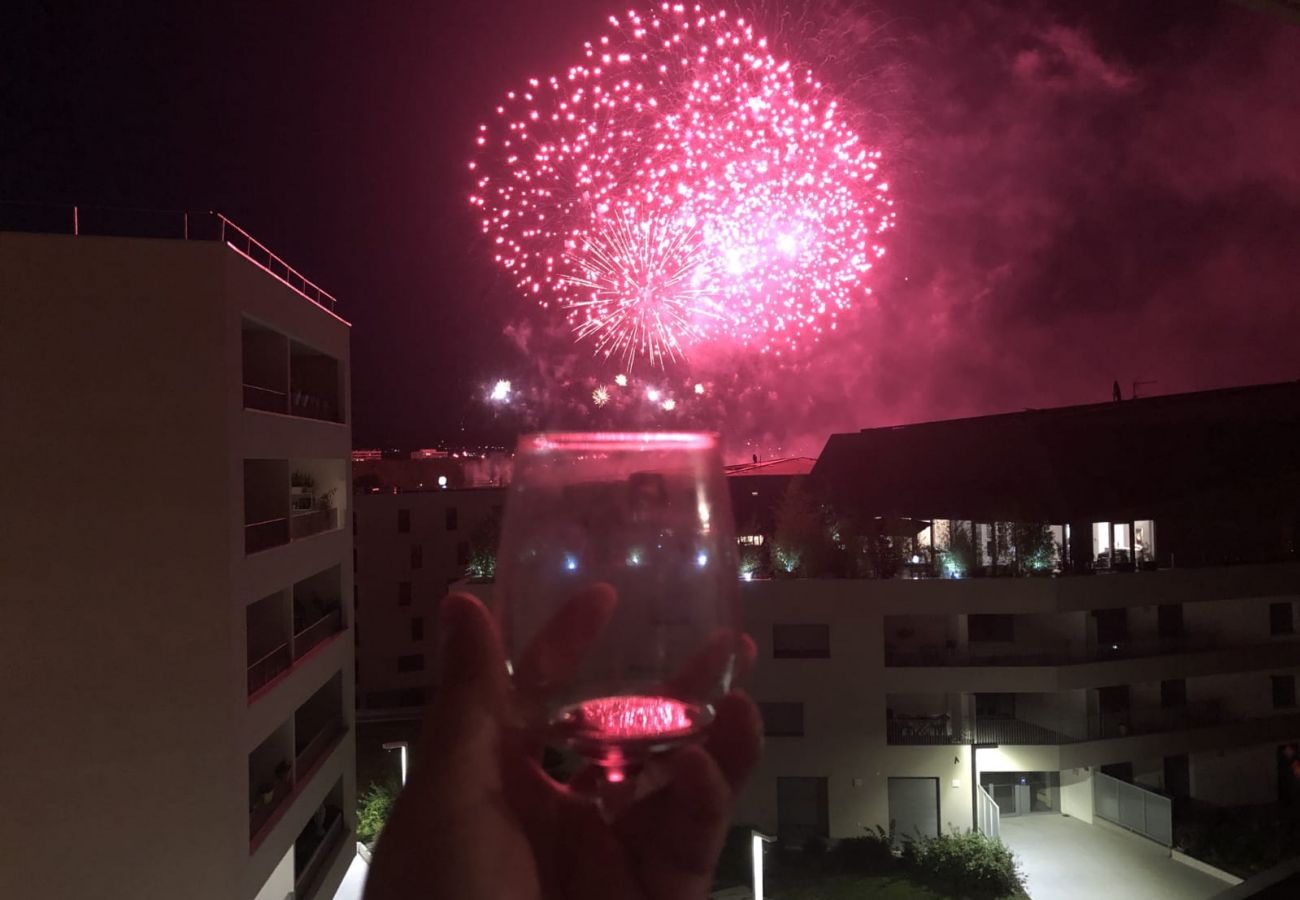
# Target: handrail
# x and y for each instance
(304, 758)
(332, 619)
(313, 865)
(60, 219)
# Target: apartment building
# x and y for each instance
(411, 547)
(177, 570)
(1148, 649)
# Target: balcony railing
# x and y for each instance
(157, 223)
(305, 524)
(317, 854)
(272, 664)
(309, 406)
(265, 399)
(315, 748)
(262, 812)
(266, 534)
(1048, 654)
(942, 729)
(313, 634)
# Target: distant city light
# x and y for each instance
(442, 481)
(570, 562)
(702, 559)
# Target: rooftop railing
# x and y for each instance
(126, 221)
(943, 729)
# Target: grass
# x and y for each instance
(789, 886)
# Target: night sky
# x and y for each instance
(1086, 191)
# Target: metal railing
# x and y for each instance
(315, 748)
(1062, 653)
(988, 815)
(265, 399)
(126, 221)
(1137, 809)
(272, 664)
(264, 535)
(313, 634)
(261, 813)
(942, 729)
(308, 523)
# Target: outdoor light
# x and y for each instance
(756, 842)
(442, 481)
(399, 745)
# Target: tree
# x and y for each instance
(373, 808)
(800, 543)
(483, 543)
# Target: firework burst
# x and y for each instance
(681, 185)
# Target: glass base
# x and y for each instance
(619, 733)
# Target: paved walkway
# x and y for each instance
(1065, 859)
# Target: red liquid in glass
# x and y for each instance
(618, 731)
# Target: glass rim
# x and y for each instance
(586, 441)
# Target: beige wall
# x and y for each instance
(123, 586)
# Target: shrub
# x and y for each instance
(872, 854)
(965, 863)
(815, 848)
(373, 808)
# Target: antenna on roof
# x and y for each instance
(1115, 393)
(755, 456)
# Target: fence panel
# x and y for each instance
(1137, 809)
(989, 814)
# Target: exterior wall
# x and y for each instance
(383, 556)
(1076, 794)
(126, 585)
(845, 696)
(1236, 777)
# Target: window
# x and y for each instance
(801, 641)
(462, 553)
(1283, 691)
(782, 719)
(417, 556)
(413, 662)
(403, 593)
(417, 628)
(1281, 618)
(750, 540)
(991, 628)
(1173, 693)
(452, 519)
(1169, 620)
(403, 521)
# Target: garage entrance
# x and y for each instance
(802, 810)
(914, 807)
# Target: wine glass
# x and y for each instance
(617, 599)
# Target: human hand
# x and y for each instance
(480, 820)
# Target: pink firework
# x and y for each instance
(682, 185)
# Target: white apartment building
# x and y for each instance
(411, 547)
(875, 694)
(1150, 643)
(176, 569)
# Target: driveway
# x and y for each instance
(1065, 859)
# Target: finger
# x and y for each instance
(705, 671)
(735, 739)
(472, 689)
(553, 656)
(746, 654)
(675, 835)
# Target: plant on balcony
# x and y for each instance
(483, 541)
(801, 544)
(326, 500)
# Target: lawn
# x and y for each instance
(852, 887)
(849, 887)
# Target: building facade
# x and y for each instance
(176, 607)
(411, 548)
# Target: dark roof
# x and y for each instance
(786, 465)
(1106, 460)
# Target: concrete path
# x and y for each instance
(1065, 859)
(354, 881)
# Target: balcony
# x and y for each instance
(264, 670)
(942, 729)
(318, 745)
(1046, 653)
(283, 628)
(318, 843)
(290, 500)
(287, 377)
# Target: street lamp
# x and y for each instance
(399, 745)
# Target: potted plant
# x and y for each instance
(266, 793)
